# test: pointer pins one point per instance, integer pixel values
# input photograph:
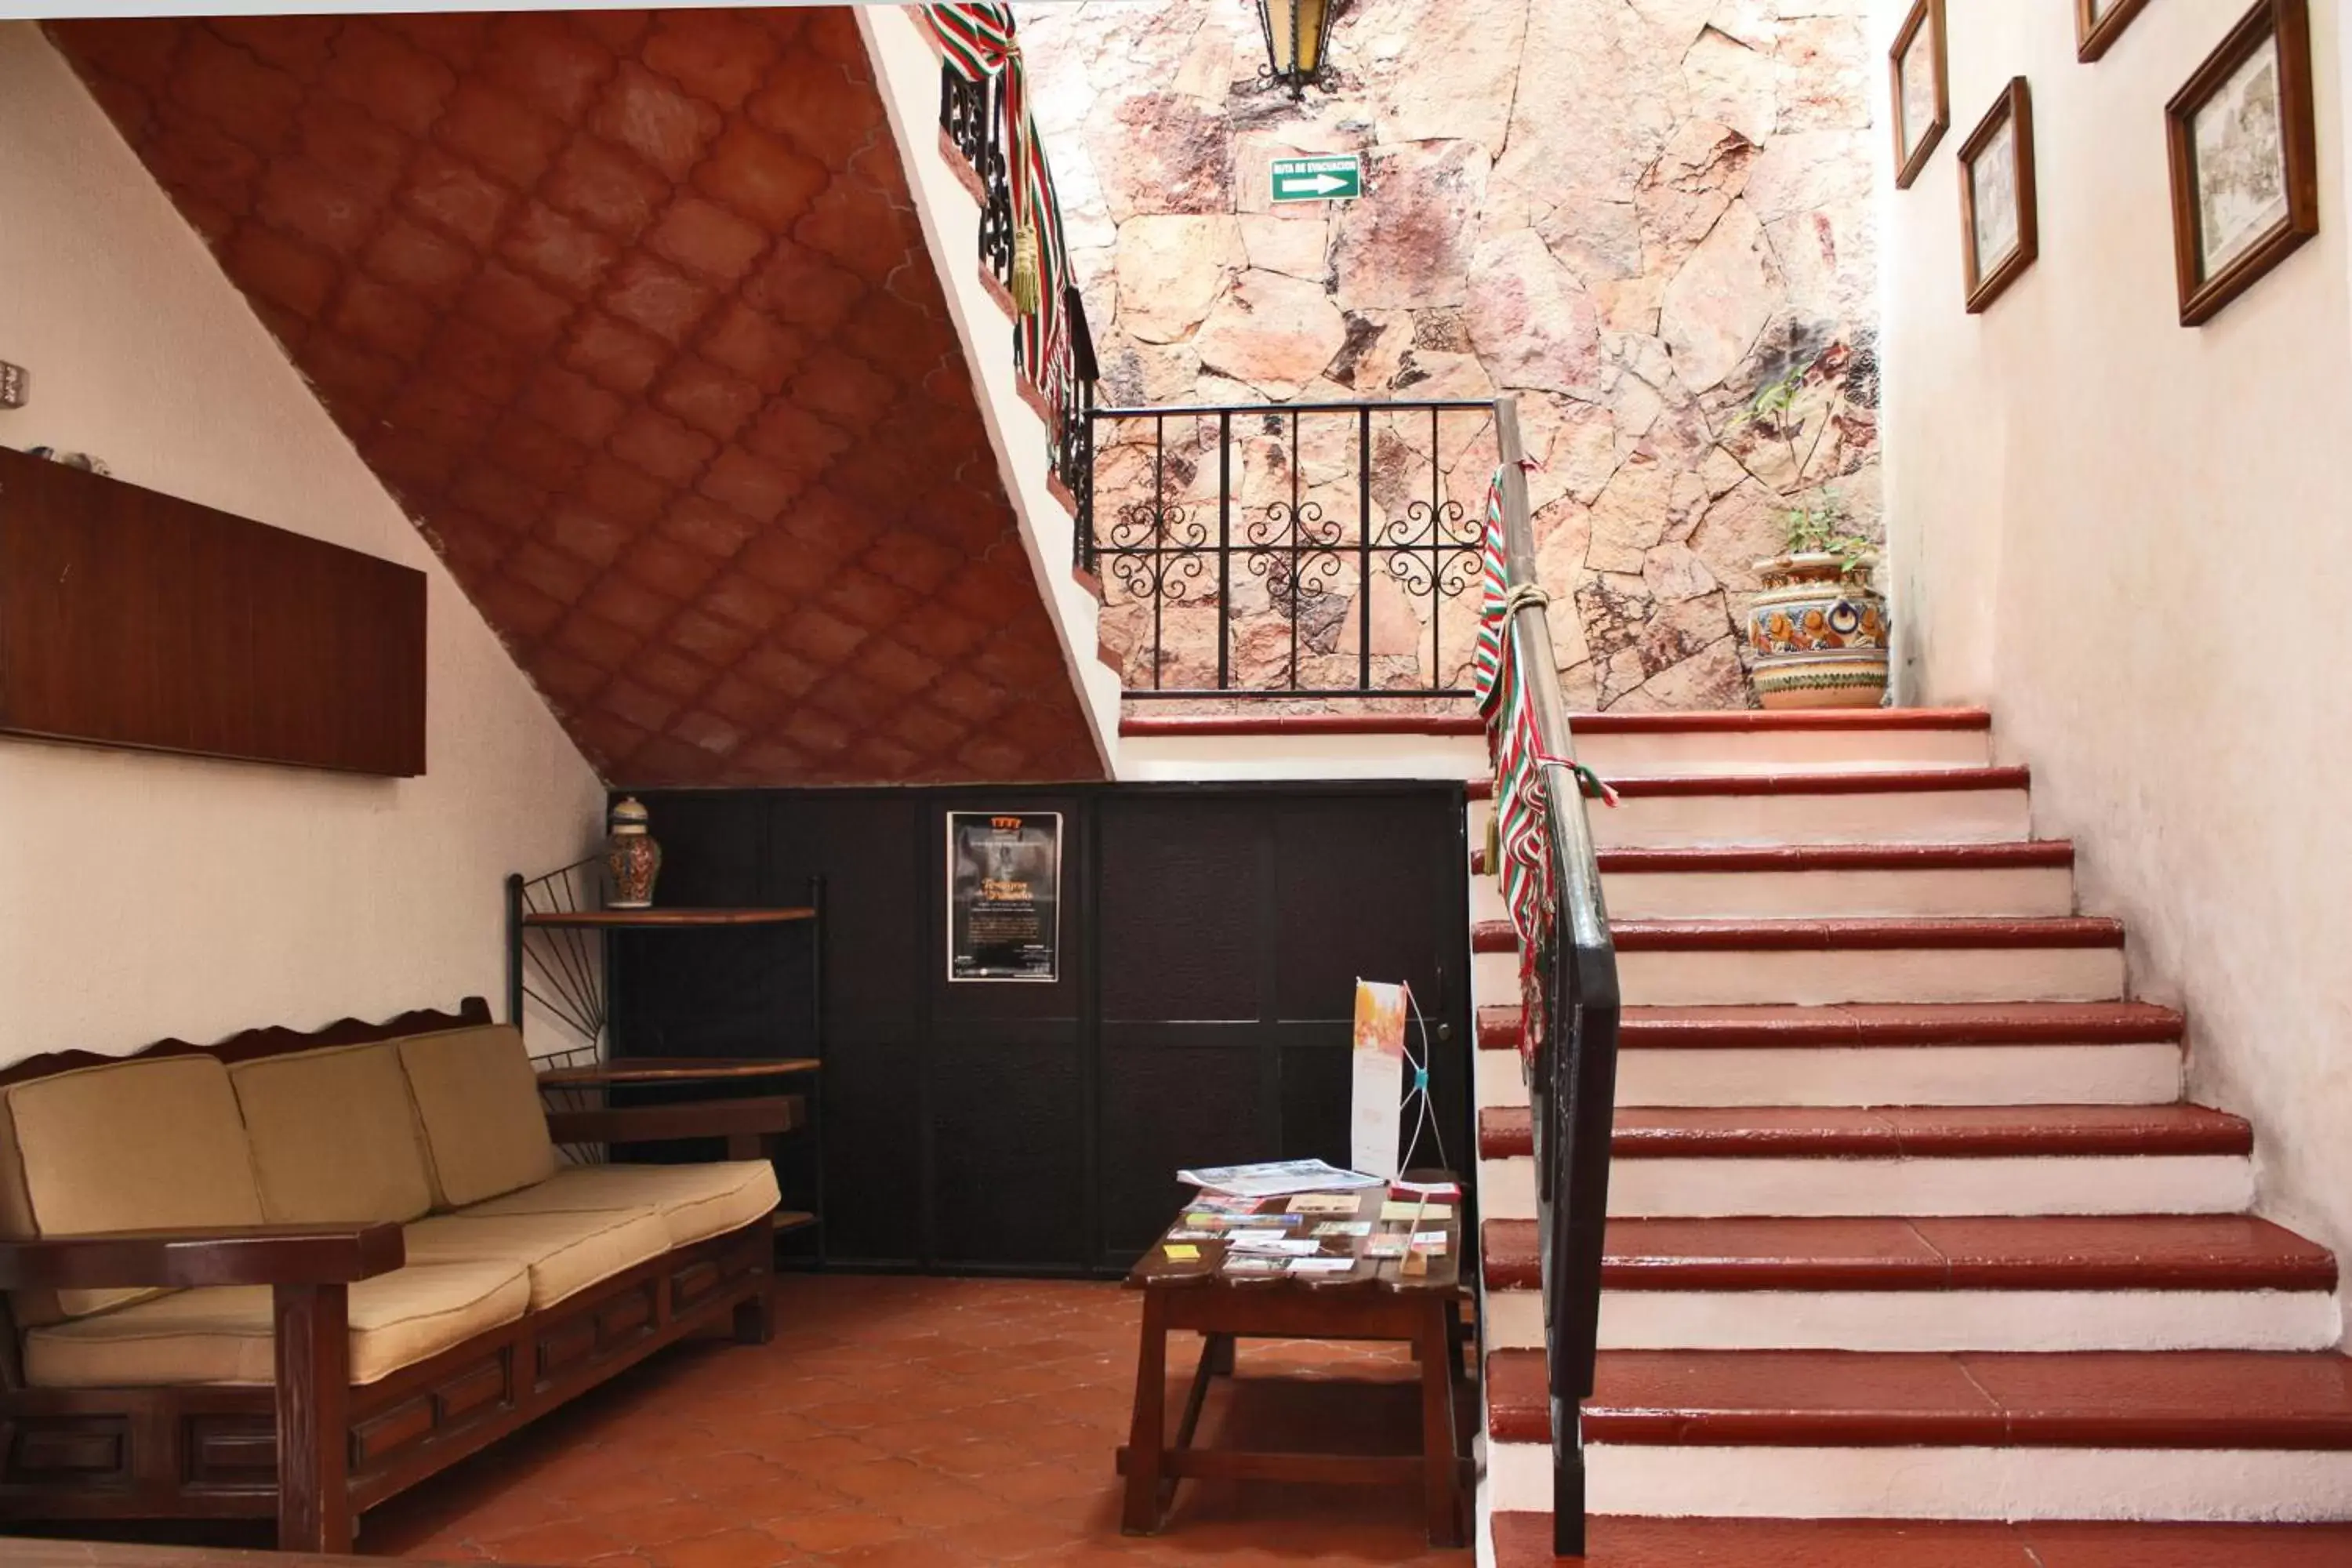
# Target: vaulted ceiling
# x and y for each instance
(633, 314)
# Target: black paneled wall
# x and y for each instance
(1210, 942)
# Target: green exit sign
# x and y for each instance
(1319, 179)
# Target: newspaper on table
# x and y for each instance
(1276, 1177)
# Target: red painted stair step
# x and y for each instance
(1825, 936)
(1956, 1131)
(2123, 1399)
(2138, 1252)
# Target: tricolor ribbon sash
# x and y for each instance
(977, 41)
(1521, 849)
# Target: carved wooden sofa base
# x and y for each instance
(312, 1448)
(211, 1452)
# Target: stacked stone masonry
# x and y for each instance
(1636, 215)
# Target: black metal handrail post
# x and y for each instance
(1572, 1084)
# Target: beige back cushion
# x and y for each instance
(477, 1098)
(334, 1135)
(136, 1145)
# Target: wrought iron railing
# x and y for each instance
(972, 113)
(1290, 550)
(973, 118)
(1573, 1006)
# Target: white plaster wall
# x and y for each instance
(2131, 539)
(145, 894)
(907, 70)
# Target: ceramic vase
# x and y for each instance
(631, 856)
(1820, 633)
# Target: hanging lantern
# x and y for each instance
(1294, 35)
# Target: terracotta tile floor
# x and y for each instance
(932, 1422)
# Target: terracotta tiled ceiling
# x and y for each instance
(634, 315)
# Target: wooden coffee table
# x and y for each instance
(1371, 1299)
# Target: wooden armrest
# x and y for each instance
(240, 1255)
(692, 1119)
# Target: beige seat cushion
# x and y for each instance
(222, 1333)
(136, 1145)
(334, 1135)
(477, 1098)
(695, 1201)
(565, 1253)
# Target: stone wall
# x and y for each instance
(1637, 214)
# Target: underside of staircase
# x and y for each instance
(1916, 1253)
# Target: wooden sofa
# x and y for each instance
(292, 1274)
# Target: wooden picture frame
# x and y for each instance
(2096, 32)
(2271, 204)
(2002, 145)
(1922, 29)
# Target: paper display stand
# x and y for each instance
(1391, 1085)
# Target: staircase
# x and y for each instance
(1911, 1228)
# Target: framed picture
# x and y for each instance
(2098, 22)
(1921, 78)
(2245, 181)
(1999, 233)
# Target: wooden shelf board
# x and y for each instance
(791, 1219)
(662, 919)
(670, 1069)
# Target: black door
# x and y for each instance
(1233, 928)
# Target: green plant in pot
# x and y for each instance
(1819, 630)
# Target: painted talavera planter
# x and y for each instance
(1819, 633)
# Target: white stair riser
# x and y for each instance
(1760, 1482)
(1780, 752)
(1936, 1320)
(1901, 816)
(1737, 977)
(1153, 758)
(1804, 1188)
(2011, 890)
(1926, 1075)
(1457, 757)
(1744, 977)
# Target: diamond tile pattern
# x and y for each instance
(634, 315)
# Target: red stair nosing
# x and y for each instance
(1890, 1132)
(2101, 1399)
(1904, 781)
(1745, 720)
(1194, 726)
(1525, 1540)
(1802, 857)
(1920, 1025)
(1735, 721)
(1834, 936)
(2141, 1252)
(1808, 935)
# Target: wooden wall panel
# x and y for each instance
(133, 618)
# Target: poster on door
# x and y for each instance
(1004, 896)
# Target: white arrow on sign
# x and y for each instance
(1313, 184)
